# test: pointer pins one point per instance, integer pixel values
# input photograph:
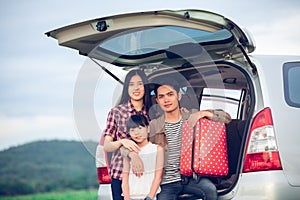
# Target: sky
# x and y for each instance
(38, 77)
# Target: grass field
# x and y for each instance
(68, 195)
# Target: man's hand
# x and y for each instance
(221, 116)
(194, 117)
(136, 164)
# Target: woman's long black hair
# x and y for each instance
(125, 96)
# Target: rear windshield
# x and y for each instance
(291, 74)
(147, 40)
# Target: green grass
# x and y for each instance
(67, 195)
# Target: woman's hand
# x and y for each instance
(130, 145)
(137, 164)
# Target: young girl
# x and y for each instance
(133, 101)
(152, 155)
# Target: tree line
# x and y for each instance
(46, 166)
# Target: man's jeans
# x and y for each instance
(203, 189)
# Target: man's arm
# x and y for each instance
(216, 115)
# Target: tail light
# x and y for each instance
(262, 152)
(102, 164)
(103, 176)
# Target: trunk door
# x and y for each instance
(162, 37)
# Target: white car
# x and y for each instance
(211, 58)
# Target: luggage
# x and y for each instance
(204, 149)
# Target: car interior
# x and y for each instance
(194, 81)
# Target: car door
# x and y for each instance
(156, 37)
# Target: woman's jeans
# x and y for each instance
(203, 189)
(116, 189)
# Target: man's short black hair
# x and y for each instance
(166, 81)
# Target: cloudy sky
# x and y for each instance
(38, 77)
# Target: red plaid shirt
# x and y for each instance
(116, 128)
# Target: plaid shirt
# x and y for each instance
(116, 128)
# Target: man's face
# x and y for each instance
(168, 98)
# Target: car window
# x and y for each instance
(225, 99)
(291, 74)
(143, 41)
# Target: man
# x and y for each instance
(166, 132)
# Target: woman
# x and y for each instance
(135, 97)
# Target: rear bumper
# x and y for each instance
(104, 192)
(266, 185)
(263, 185)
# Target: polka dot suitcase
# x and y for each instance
(204, 149)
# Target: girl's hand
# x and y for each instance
(130, 145)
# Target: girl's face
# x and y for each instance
(136, 88)
(139, 134)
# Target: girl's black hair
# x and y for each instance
(136, 121)
(125, 96)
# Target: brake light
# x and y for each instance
(262, 152)
(103, 177)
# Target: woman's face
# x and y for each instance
(136, 88)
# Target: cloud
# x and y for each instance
(19, 130)
(279, 36)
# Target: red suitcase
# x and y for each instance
(204, 149)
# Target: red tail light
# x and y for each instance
(103, 177)
(262, 152)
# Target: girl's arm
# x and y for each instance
(158, 172)
(125, 177)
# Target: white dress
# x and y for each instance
(140, 186)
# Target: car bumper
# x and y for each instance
(263, 185)
(104, 192)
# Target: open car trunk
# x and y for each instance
(205, 52)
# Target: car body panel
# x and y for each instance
(264, 185)
(288, 138)
(104, 192)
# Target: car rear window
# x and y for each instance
(146, 40)
(291, 74)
